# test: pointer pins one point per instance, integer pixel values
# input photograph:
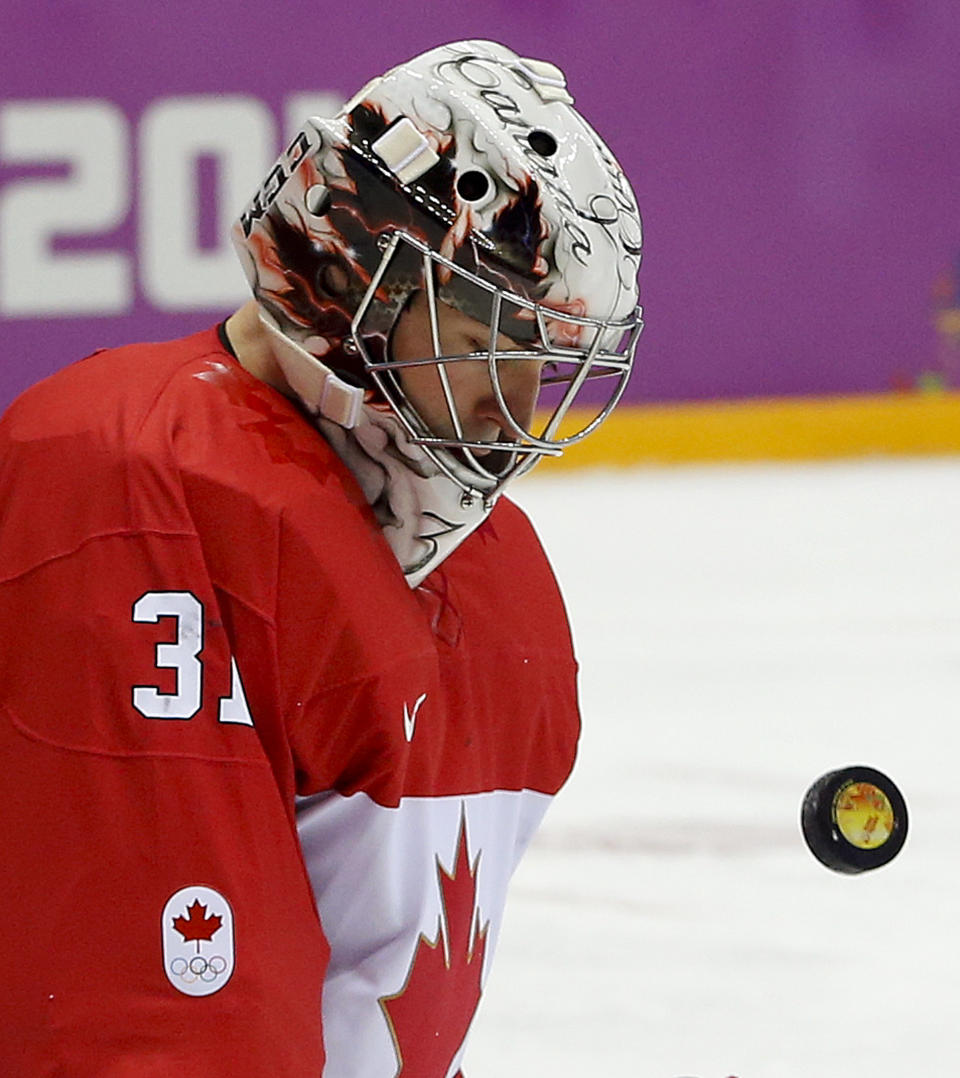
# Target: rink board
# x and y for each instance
(802, 428)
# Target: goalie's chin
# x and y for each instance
(496, 462)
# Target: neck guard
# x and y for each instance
(422, 512)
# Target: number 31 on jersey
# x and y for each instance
(183, 656)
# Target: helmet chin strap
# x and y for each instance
(322, 392)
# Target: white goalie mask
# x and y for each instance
(464, 175)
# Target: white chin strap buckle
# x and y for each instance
(321, 391)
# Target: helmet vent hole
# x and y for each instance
(473, 186)
(542, 143)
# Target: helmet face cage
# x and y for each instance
(569, 350)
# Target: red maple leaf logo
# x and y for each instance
(197, 925)
(429, 1017)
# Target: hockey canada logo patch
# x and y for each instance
(198, 951)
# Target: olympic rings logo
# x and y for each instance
(198, 968)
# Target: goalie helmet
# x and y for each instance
(467, 175)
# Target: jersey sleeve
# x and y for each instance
(156, 916)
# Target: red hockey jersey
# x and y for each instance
(224, 712)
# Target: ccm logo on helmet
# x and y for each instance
(273, 184)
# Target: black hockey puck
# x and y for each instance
(854, 819)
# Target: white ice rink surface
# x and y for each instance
(741, 631)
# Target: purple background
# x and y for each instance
(797, 165)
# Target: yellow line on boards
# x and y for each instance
(793, 428)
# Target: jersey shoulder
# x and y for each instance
(108, 392)
(175, 438)
(68, 467)
(184, 405)
(503, 569)
(508, 538)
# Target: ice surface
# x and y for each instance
(741, 631)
